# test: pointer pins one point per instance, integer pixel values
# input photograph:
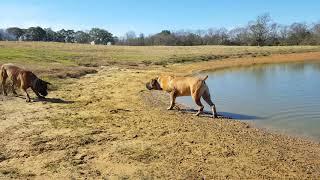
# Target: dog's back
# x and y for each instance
(16, 73)
(182, 84)
(10, 69)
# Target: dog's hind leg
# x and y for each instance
(207, 98)
(13, 90)
(3, 83)
(4, 77)
(197, 100)
(172, 100)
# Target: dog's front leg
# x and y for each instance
(27, 96)
(172, 100)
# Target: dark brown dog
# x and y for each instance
(184, 86)
(23, 79)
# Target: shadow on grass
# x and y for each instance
(49, 100)
(53, 100)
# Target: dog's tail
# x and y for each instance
(205, 78)
(2, 71)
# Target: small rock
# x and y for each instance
(2, 157)
(135, 136)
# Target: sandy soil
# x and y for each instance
(107, 125)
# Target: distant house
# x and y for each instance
(93, 43)
(109, 44)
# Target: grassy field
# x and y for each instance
(59, 60)
(107, 125)
(54, 56)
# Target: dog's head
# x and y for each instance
(153, 84)
(41, 87)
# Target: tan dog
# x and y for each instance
(23, 79)
(184, 86)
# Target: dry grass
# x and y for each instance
(60, 60)
(44, 53)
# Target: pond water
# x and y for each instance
(282, 97)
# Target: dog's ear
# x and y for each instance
(153, 81)
(156, 79)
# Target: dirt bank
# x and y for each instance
(247, 61)
(107, 125)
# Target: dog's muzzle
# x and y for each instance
(44, 93)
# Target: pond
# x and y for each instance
(281, 97)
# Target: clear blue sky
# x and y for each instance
(151, 16)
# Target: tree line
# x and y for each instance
(96, 35)
(260, 32)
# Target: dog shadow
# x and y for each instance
(53, 100)
(44, 100)
(224, 115)
(240, 116)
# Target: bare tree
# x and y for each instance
(130, 35)
(274, 35)
(298, 34)
(131, 38)
(283, 34)
(260, 29)
(316, 33)
(240, 36)
(141, 40)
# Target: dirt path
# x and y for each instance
(107, 125)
